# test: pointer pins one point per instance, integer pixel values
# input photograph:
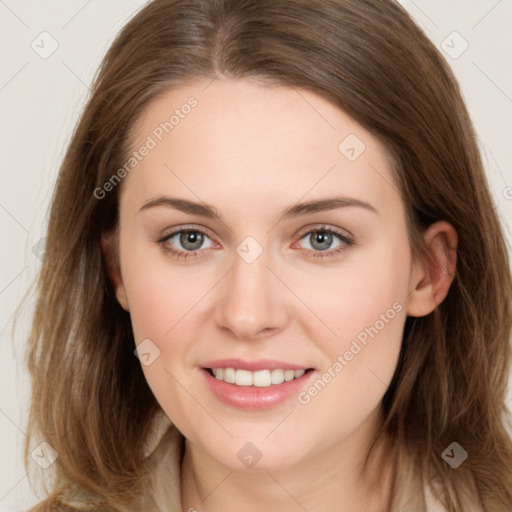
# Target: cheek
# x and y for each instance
(364, 304)
(160, 293)
(161, 300)
(368, 288)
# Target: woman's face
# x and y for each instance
(296, 258)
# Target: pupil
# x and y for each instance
(323, 237)
(191, 239)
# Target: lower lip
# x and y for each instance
(253, 397)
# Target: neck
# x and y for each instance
(328, 480)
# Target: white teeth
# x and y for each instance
(260, 378)
(289, 375)
(277, 377)
(229, 375)
(243, 378)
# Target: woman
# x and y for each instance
(274, 276)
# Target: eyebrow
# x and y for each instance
(296, 210)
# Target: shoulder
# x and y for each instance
(415, 492)
(433, 504)
(165, 464)
(55, 505)
(162, 449)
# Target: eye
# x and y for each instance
(321, 242)
(189, 242)
(185, 242)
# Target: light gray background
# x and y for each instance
(41, 99)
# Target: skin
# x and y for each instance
(252, 150)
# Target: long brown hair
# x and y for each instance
(90, 400)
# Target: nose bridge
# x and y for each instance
(251, 301)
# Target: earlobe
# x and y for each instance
(431, 279)
(109, 247)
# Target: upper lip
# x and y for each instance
(254, 365)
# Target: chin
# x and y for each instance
(245, 455)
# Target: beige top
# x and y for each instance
(164, 449)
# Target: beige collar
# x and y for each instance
(164, 450)
(165, 447)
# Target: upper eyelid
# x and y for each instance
(172, 232)
(300, 233)
(324, 227)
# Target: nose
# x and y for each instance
(253, 301)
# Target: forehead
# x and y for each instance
(237, 138)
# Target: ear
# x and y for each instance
(431, 279)
(110, 250)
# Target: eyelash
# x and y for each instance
(347, 241)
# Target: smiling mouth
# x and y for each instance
(259, 378)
